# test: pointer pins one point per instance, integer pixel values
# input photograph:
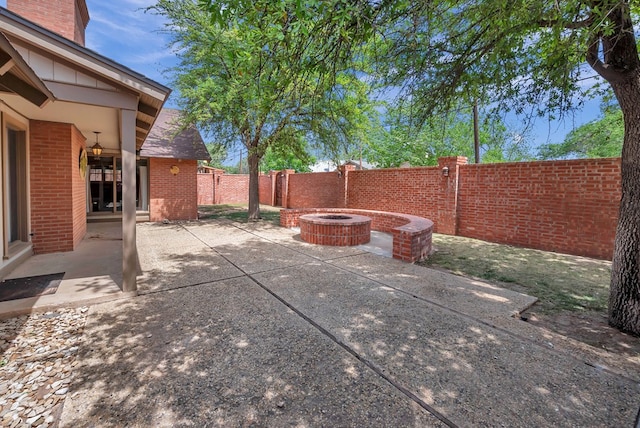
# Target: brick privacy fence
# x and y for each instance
(564, 206)
(220, 188)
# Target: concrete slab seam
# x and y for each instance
(596, 366)
(378, 371)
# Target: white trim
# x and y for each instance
(15, 123)
(14, 114)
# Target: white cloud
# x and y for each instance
(122, 31)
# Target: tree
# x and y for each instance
(600, 138)
(218, 153)
(397, 142)
(520, 53)
(294, 157)
(263, 72)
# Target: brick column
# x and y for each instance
(285, 187)
(344, 176)
(273, 176)
(450, 175)
(217, 173)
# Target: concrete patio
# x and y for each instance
(92, 273)
(246, 325)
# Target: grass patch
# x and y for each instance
(237, 212)
(562, 282)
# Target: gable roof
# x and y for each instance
(16, 76)
(168, 139)
(24, 34)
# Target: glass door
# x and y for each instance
(105, 184)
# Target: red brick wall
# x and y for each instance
(316, 190)
(418, 191)
(173, 197)
(265, 189)
(220, 188)
(60, 16)
(205, 189)
(232, 189)
(563, 206)
(54, 194)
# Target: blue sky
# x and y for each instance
(122, 31)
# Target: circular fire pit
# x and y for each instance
(335, 229)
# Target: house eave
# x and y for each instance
(16, 76)
(14, 25)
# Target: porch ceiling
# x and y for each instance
(86, 118)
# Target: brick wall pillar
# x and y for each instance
(449, 179)
(273, 176)
(285, 186)
(217, 173)
(344, 176)
(58, 192)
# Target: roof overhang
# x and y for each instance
(17, 77)
(149, 95)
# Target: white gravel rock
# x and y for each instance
(37, 352)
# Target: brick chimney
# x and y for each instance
(69, 18)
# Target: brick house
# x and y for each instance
(58, 101)
(172, 155)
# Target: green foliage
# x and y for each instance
(291, 156)
(218, 153)
(528, 53)
(398, 142)
(600, 138)
(266, 73)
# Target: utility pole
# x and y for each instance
(476, 132)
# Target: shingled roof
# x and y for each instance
(167, 140)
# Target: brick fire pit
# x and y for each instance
(335, 229)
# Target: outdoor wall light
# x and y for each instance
(96, 149)
(445, 171)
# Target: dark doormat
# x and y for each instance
(31, 286)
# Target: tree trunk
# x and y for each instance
(254, 186)
(624, 297)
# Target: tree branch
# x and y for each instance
(606, 71)
(574, 25)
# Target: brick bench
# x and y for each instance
(411, 234)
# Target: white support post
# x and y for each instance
(129, 248)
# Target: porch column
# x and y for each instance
(129, 249)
